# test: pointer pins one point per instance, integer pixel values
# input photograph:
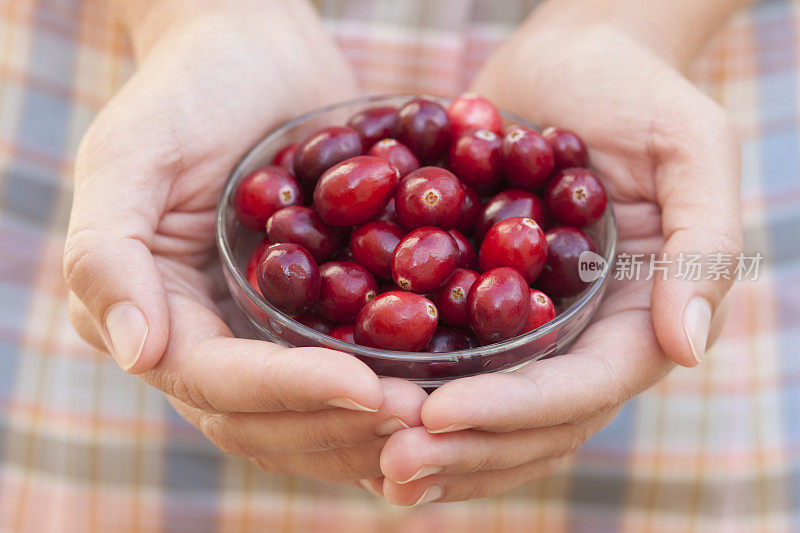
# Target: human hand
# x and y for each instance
(140, 257)
(669, 157)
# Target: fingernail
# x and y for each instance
(127, 329)
(368, 486)
(425, 471)
(347, 403)
(450, 429)
(696, 323)
(431, 494)
(387, 427)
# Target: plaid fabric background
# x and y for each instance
(86, 448)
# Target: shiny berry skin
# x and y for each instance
(451, 340)
(255, 259)
(397, 154)
(285, 157)
(472, 112)
(568, 149)
(343, 332)
(322, 149)
(262, 193)
(507, 204)
(429, 196)
(575, 197)
(373, 244)
(527, 158)
(302, 225)
(388, 213)
(542, 311)
(498, 304)
(517, 242)
(560, 276)
(315, 322)
(375, 123)
(424, 259)
(397, 320)
(468, 257)
(451, 298)
(477, 159)
(289, 277)
(346, 287)
(470, 209)
(355, 191)
(425, 128)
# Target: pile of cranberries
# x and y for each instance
(422, 228)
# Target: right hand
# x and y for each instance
(140, 258)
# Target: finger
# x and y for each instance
(341, 464)
(460, 487)
(84, 324)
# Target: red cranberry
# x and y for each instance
(477, 159)
(323, 149)
(429, 196)
(375, 123)
(288, 277)
(470, 209)
(262, 193)
(568, 149)
(498, 304)
(373, 244)
(302, 225)
(575, 197)
(355, 191)
(255, 259)
(517, 243)
(346, 287)
(560, 276)
(507, 204)
(424, 259)
(542, 311)
(468, 257)
(389, 213)
(425, 128)
(285, 157)
(471, 112)
(451, 340)
(343, 332)
(451, 298)
(397, 154)
(315, 322)
(397, 320)
(527, 157)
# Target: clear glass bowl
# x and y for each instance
(236, 242)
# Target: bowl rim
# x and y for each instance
(284, 320)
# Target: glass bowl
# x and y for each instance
(236, 242)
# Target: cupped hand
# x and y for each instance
(141, 262)
(669, 157)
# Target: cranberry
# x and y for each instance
(468, 258)
(507, 204)
(302, 225)
(285, 156)
(498, 304)
(373, 244)
(568, 149)
(451, 298)
(542, 311)
(255, 259)
(575, 197)
(451, 340)
(323, 149)
(397, 154)
(375, 123)
(389, 213)
(476, 158)
(397, 320)
(517, 243)
(346, 287)
(527, 157)
(355, 191)
(425, 128)
(470, 209)
(315, 322)
(424, 259)
(343, 332)
(560, 276)
(288, 277)
(429, 196)
(262, 193)
(471, 112)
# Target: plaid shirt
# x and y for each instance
(87, 448)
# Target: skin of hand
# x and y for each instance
(670, 159)
(140, 257)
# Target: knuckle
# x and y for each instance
(79, 251)
(269, 465)
(218, 430)
(479, 488)
(187, 392)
